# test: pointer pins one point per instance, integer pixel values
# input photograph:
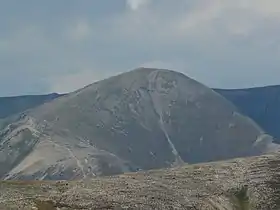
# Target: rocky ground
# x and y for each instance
(248, 183)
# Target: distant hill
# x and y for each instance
(17, 104)
(261, 104)
(139, 120)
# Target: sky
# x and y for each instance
(60, 46)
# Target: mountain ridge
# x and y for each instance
(242, 98)
(15, 104)
(261, 104)
(143, 119)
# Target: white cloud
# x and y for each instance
(219, 42)
(26, 39)
(268, 8)
(73, 81)
(80, 30)
(163, 20)
(4, 45)
(136, 4)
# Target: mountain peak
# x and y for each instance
(147, 70)
(142, 119)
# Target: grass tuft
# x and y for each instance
(242, 199)
(45, 205)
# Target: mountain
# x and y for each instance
(260, 104)
(140, 120)
(17, 104)
(239, 184)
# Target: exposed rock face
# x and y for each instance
(248, 183)
(144, 119)
(260, 104)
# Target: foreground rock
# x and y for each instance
(249, 183)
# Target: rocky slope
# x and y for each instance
(248, 183)
(261, 104)
(143, 119)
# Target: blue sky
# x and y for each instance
(60, 46)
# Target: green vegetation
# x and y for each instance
(51, 205)
(45, 205)
(241, 198)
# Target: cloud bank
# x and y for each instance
(136, 4)
(62, 45)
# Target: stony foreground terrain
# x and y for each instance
(248, 183)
